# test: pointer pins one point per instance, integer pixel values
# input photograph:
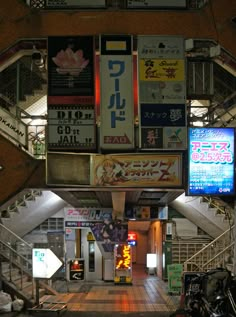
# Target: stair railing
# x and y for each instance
(222, 208)
(18, 254)
(217, 253)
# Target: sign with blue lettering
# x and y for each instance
(117, 110)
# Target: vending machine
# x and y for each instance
(122, 264)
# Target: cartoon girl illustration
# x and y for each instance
(109, 172)
(107, 228)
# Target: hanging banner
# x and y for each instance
(160, 170)
(71, 127)
(117, 105)
(71, 69)
(162, 92)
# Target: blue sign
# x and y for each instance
(163, 115)
(211, 161)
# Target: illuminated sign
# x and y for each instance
(211, 161)
(133, 243)
(45, 263)
(132, 236)
(123, 256)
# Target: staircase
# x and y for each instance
(218, 253)
(213, 217)
(16, 269)
(29, 210)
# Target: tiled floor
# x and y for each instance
(146, 294)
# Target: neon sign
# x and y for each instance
(132, 236)
(123, 257)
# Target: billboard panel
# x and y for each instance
(211, 161)
(71, 68)
(117, 108)
(71, 127)
(159, 170)
(162, 90)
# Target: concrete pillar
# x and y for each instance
(118, 204)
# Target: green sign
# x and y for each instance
(174, 275)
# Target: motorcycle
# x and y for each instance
(210, 294)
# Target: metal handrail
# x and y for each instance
(219, 254)
(18, 253)
(209, 249)
(226, 211)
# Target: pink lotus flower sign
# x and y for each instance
(71, 68)
(70, 62)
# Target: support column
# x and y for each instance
(118, 204)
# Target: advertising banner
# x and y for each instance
(163, 115)
(106, 230)
(161, 69)
(162, 90)
(160, 170)
(117, 105)
(167, 47)
(211, 161)
(71, 127)
(168, 137)
(71, 69)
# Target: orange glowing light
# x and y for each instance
(124, 260)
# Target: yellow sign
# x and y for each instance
(123, 260)
(161, 69)
(116, 45)
(90, 237)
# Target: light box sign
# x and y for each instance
(45, 263)
(211, 161)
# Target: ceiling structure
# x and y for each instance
(103, 198)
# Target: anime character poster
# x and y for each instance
(160, 170)
(109, 232)
(71, 66)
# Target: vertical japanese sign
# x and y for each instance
(71, 96)
(162, 92)
(116, 76)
